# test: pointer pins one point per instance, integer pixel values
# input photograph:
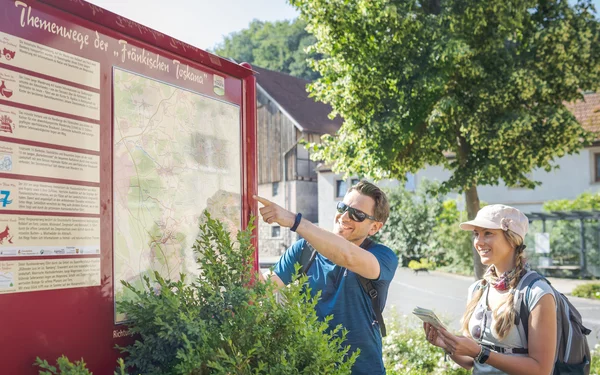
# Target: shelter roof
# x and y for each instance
(564, 215)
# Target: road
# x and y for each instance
(446, 294)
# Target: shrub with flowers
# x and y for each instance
(407, 352)
(595, 365)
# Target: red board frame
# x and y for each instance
(78, 322)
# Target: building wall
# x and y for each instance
(276, 137)
(575, 175)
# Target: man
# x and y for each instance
(340, 259)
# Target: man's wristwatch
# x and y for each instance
(483, 355)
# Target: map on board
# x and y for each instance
(175, 154)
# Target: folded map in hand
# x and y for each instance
(428, 316)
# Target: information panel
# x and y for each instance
(114, 140)
(176, 154)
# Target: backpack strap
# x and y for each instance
(372, 292)
(307, 258)
(369, 288)
(522, 293)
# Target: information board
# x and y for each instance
(114, 140)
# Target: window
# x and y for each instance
(275, 231)
(597, 167)
(275, 188)
(354, 181)
(341, 186)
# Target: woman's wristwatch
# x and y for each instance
(483, 355)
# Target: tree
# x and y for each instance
(475, 86)
(278, 46)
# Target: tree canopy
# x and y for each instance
(483, 80)
(475, 86)
(278, 46)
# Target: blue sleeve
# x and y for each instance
(388, 262)
(285, 266)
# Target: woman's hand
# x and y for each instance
(459, 345)
(431, 333)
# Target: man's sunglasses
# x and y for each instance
(356, 215)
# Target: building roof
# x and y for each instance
(587, 112)
(291, 96)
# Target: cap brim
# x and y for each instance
(479, 223)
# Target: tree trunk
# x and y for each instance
(472, 200)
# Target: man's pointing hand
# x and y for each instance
(273, 213)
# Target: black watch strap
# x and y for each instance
(484, 356)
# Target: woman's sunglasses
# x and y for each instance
(356, 215)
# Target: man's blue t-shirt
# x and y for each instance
(343, 296)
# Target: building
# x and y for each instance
(286, 175)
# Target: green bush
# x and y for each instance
(422, 264)
(407, 352)
(595, 363)
(452, 247)
(221, 324)
(422, 226)
(412, 220)
(66, 367)
(591, 290)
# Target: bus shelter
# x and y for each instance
(581, 217)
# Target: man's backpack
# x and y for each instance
(307, 257)
(573, 351)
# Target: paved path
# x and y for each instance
(447, 295)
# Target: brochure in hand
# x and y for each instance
(428, 316)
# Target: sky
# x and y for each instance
(204, 23)
(201, 23)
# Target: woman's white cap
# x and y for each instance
(499, 216)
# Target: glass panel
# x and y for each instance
(176, 156)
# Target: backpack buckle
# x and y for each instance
(373, 293)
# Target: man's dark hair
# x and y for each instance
(382, 207)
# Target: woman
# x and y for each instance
(491, 343)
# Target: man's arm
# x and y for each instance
(335, 248)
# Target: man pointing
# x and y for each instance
(342, 267)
